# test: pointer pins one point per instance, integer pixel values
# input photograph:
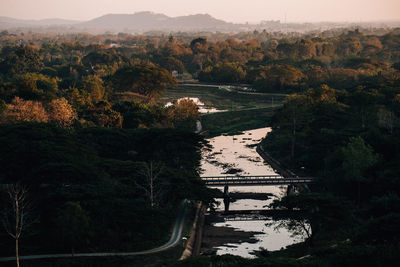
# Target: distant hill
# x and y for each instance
(197, 21)
(146, 21)
(123, 21)
(7, 22)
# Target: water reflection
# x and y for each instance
(238, 153)
(271, 239)
(203, 108)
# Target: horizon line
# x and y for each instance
(194, 14)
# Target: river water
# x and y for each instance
(238, 154)
(203, 108)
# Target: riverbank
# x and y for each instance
(275, 164)
(233, 122)
(215, 237)
(228, 112)
(193, 244)
(222, 99)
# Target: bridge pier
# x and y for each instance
(291, 190)
(226, 190)
(226, 198)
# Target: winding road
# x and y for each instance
(173, 241)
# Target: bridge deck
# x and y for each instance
(255, 180)
(246, 218)
(254, 215)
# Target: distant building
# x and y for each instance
(176, 74)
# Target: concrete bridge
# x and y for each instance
(253, 215)
(254, 180)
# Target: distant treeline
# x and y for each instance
(268, 61)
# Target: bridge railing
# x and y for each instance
(241, 177)
(255, 179)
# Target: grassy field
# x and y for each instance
(232, 122)
(243, 111)
(223, 99)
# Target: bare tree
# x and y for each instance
(297, 227)
(16, 215)
(151, 172)
(387, 119)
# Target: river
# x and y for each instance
(238, 154)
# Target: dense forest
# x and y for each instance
(99, 164)
(82, 125)
(345, 132)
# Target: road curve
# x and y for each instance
(173, 241)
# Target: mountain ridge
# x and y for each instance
(39, 22)
(154, 21)
(147, 21)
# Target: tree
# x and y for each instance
(357, 158)
(79, 99)
(3, 106)
(224, 72)
(184, 113)
(151, 185)
(339, 78)
(73, 224)
(316, 75)
(312, 214)
(37, 86)
(61, 112)
(365, 102)
(387, 119)
(287, 50)
(24, 110)
(103, 115)
(171, 64)
(294, 116)
(97, 58)
(17, 215)
(396, 65)
(299, 226)
(20, 60)
(93, 84)
(306, 49)
(146, 80)
(349, 46)
(139, 115)
(198, 45)
(279, 77)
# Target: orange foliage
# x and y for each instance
(24, 111)
(184, 113)
(61, 112)
(184, 109)
(58, 111)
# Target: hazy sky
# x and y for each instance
(229, 10)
